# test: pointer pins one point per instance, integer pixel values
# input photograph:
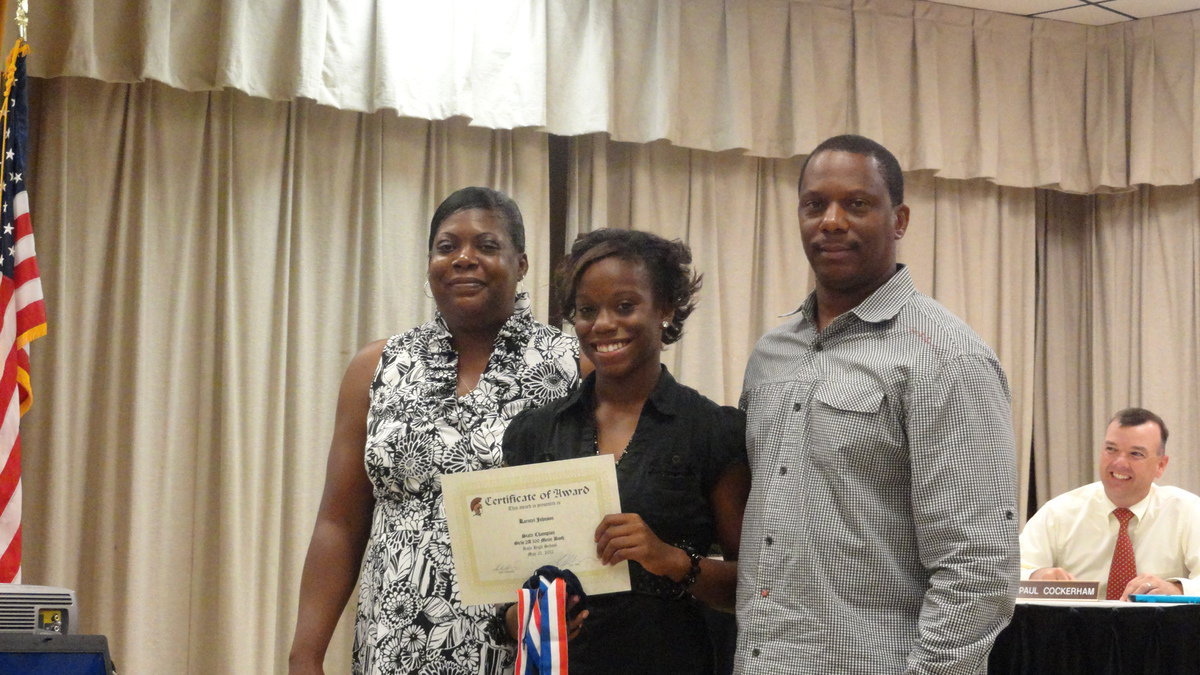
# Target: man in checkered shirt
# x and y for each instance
(880, 535)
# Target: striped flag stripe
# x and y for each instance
(22, 310)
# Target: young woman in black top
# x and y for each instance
(681, 459)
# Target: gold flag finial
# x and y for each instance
(22, 16)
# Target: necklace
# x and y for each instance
(596, 445)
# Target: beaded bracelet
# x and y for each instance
(693, 571)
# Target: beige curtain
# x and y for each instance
(971, 245)
(211, 262)
(212, 259)
(206, 290)
(967, 93)
(733, 211)
(1164, 94)
(1120, 312)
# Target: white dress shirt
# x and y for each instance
(1077, 532)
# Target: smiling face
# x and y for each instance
(848, 224)
(474, 269)
(618, 320)
(1130, 462)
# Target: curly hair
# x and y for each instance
(667, 261)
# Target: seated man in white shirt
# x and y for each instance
(1076, 534)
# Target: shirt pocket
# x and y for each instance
(675, 474)
(850, 420)
(850, 397)
(674, 500)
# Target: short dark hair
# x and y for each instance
(1136, 417)
(889, 167)
(481, 198)
(668, 262)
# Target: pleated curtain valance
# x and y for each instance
(965, 93)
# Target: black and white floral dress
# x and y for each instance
(409, 617)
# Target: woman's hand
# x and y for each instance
(625, 536)
(574, 625)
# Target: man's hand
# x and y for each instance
(1052, 574)
(1148, 584)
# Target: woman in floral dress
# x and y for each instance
(432, 401)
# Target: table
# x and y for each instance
(1099, 638)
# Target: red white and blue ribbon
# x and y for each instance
(542, 629)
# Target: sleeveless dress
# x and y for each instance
(409, 619)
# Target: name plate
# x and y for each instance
(1058, 590)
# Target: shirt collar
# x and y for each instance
(664, 397)
(514, 331)
(581, 396)
(1139, 509)
(881, 305)
(442, 362)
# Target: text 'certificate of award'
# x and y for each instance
(506, 523)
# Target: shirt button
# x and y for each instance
(765, 592)
(755, 652)
(783, 471)
(817, 347)
(769, 541)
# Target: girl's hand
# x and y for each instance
(625, 536)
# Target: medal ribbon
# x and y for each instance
(542, 629)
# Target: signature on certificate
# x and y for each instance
(565, 560)
(504, 569)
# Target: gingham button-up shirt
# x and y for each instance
(880, 535)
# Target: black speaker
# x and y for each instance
(51, 654)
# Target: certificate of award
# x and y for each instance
(506, 523)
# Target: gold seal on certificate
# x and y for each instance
(506, 523)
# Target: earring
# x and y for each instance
(428, 290)
(666, 324)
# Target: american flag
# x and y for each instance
(24, 313)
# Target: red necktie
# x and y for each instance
(1123, 568)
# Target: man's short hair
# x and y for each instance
(1136, 417)
(888, 165)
